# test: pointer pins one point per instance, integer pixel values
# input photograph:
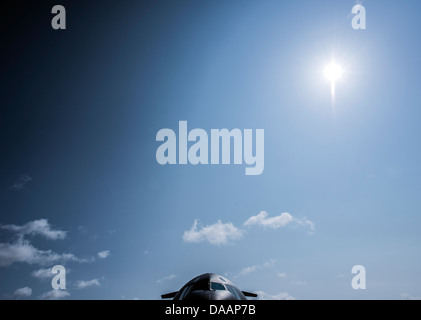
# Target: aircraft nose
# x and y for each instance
(222, 295)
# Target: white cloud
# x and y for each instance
(299, 283)
(273, 222)
(23, 251)
(37, 227)
(86, 284)
(42, 273)
(23, 292)
(221, 233)
(21, 182)
(218, 233)
(306, 222)
(282, 275)
(166, 278)
(407, 296)
(103, 254)
(280, 296)
(277, 222)
(54, 295)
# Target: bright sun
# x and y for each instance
(333, 72)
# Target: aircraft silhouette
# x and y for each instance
(209, 286)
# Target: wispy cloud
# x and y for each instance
(306, 222)
(21, 182)
(103, 254)
(166, 278)
(43, 273)
(247, 270)
(22, 293)
(37, 227)
(22, 251)
(282, 275)
(273, 222)
(299, 283)
(407, 296)
(81, 284)
(221, 233)
(54, 295)
(280, 296)
(279, 221)
(218, 233)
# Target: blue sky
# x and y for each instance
(80, 184)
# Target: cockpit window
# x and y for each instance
(233, 292)
(198, 285)
(217, 286)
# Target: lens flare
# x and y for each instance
(333, 72)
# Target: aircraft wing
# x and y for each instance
(249, 294)
(169, 295)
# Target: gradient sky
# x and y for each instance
(79, 113)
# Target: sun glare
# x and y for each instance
(333, 72)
